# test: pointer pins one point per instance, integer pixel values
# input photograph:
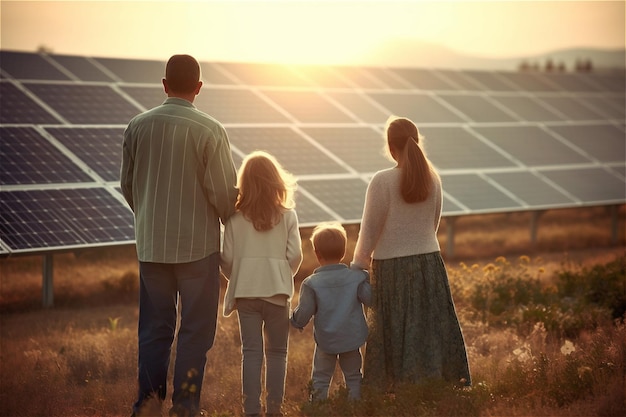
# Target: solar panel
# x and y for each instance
(85, 104)
(589, 184)
(28, 158)
(454, 148)
(609, 108)
(98, 147)
(502, 140)
(423, 79)
(478, 194)
(360, 147)
(528, 81)
(63, 218)
(421, 108)
(388, 78)
(572, 82)
(322, 76)
(533, 190)
(18, 107)
(29, 66)
(228, 105)
(360, 77)
(478, 108)
(264, 74)
(572, 108)
(459, 80)
(308, 106)
(345, 196)
(361, 106)
(603, 142)
(529, 108)
(82, 68)
(531, 145)
(491, 81)
(292, 150)
(309, 211)
(134, 71)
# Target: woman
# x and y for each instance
(414, 332)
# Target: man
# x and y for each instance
(179, 179)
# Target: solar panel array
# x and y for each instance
(502, 141)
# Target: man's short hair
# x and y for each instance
(182, 73)
(329, 240)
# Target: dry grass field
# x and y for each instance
(537, 345)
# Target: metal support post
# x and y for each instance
(47, 289)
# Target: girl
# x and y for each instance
(261, 254)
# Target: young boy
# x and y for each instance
(334, 294)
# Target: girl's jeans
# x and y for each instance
(261, 321)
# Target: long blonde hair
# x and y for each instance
(417, 172)
(266, 189)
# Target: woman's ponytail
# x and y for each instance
(416, 183)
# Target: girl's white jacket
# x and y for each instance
(260, 264)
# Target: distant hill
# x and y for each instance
(411, 53)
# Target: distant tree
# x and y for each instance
(561, 67)
(524, 66)
(44, 49)
(584, 65)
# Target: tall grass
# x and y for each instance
(545, 335)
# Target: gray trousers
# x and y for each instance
(264, 329)
(324, 368)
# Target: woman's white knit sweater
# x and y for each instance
(392, 228)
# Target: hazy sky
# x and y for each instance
(324, 32)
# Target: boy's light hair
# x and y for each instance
(329, 240)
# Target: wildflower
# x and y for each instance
(523, 353)
(524, 259)
(567, 348)
(583, 371)
(489, 267)
(501, 260)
